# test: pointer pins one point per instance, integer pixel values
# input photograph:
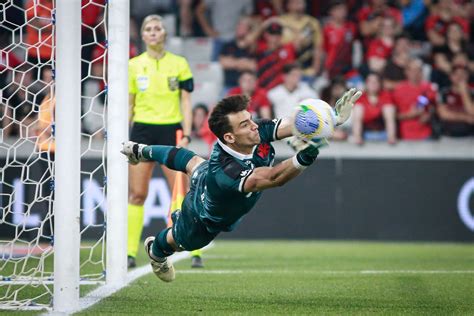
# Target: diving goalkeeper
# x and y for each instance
(227, 186)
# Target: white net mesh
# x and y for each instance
(27, 150)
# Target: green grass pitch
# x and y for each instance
(309, 277)
(306, 277)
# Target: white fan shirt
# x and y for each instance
(284, 101)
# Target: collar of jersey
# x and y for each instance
(234, 153)
(154, 59)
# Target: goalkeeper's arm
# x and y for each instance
(285, 129)
(269, 177)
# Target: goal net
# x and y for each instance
(28, 150)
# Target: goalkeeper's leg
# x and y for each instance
(187, 233)
(159, 248)
(163, 245)
(196, 255)
(196, 259)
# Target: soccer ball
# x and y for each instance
(314, 119)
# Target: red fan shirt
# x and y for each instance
(39, 28)
(379, 48)
(453, 101)
(373, 111)
(270, 63)
(405, 96)
(258, 99)
(338, 47)
(367, 13)
(434, 22)
(91, 11)
(8, 60)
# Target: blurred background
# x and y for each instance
(402, 168)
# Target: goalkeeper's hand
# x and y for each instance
(307, 150)
(343, 107)
(298, 143)
(133, 152)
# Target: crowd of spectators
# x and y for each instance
(414, 59)
(27, 70)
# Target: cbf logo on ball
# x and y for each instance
(314, 119)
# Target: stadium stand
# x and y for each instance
(428, 30)
(197, 49)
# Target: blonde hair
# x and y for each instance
(149, 18)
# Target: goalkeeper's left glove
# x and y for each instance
(344, 104)
(307, 150)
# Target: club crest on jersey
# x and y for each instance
(173, 83)
(263, 150)
(142, 83)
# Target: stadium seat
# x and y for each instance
(206, 92)
(207, 71)
(169, 22)
(198, 49)
(175, 45)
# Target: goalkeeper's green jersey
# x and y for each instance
(219, 198)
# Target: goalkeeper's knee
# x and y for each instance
(175, 158)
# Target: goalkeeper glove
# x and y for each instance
(133, 151)
(307, 151)
(343, 107)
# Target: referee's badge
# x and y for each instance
(143, 82)
(173, 83)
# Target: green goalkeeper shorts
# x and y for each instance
(188, 231)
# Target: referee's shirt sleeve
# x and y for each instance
(185, 77)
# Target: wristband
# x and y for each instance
(188, 137)
(297, 164)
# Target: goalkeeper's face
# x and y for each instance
(244, 130)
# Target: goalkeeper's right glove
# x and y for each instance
(133, 151)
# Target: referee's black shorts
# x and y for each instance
(151, 134)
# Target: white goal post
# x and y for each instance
(117, 132)
(66, 235)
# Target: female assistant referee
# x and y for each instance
(160, 86)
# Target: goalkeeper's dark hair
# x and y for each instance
(219, 120)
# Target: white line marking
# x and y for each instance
(417, 271)
(106, 290)
(47, 282)
(361, 272)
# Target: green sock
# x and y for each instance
(135, 227)
(175, 158)
(161, 248)
(196, 253)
